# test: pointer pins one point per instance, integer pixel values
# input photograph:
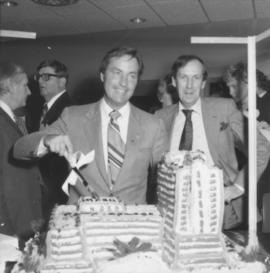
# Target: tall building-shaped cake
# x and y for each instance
(190, 196)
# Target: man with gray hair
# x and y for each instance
(20, 189)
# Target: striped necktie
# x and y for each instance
(187, 134)
(21, 124)
(116, 147)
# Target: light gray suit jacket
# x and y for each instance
(225, 129)
(146, 142)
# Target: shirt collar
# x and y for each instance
(7, 109)
(262, 94)
(54, 98)
(197, 107)
(124, 110)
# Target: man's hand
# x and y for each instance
(59, 144)
(263, 125)
(232, 192)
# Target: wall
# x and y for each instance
(159, 48)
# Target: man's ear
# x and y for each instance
(203, 84)
(63, 82)
(101, 75)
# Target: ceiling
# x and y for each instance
(92, 16)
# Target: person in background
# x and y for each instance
(212, 125)
(20, 182)
(126, 140)
(219, 89)
(52, 77)
(236, 80)
(166, 94)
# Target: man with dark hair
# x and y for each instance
(52, 77)
(212, 125)
(20, 183)
(236, 78)
(126, 140)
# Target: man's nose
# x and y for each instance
(123, 80)
(189, 82)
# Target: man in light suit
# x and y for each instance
(85, 128)
(20, 182)
(217, 128)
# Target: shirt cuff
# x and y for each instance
(41, 149)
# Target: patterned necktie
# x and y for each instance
(43, 113)
(187, 134)
(21, 124)
(116, 147)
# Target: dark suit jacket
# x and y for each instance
(20, 185)
(146, 141)
(225, 130)
(263, 105)
(57, 108)
(54, 169)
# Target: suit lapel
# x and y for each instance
(10, 121)
(56, 109)
(171, 121)
(93, 132)
(133, 138)
(211, 127)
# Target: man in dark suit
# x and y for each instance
(20, 182)
(52, 77)
(218, 127)
(89, 127)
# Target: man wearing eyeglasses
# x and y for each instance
(52, 77)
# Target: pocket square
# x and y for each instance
(223, 126)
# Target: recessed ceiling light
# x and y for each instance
(138, 20)
(56, 3)
(9, 4)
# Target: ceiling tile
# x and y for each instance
(123, 11)
(220, 10)
(25, 9)
(175, 12)
(262, 8)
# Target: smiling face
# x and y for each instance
(189, 82)
(120, 80)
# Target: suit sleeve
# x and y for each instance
(26, 147)
(263, 146)
(160, 145)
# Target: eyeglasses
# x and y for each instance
(46, 76)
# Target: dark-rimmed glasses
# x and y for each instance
(46, 76)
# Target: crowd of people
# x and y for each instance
(128, 142)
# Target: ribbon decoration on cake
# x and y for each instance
(76, 161)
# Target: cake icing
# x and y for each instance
(183, 233)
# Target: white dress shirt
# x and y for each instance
(8, 110)
(199, 136)
(123, 122)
